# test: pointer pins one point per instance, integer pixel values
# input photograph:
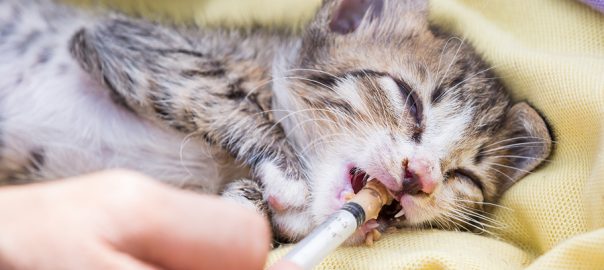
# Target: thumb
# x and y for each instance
(116, 260)
(182, 230)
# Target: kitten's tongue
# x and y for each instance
(358, 181)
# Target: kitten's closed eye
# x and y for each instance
(411, 100)
(468, 176)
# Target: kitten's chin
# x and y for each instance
(414, 216)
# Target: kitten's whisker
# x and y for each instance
(524, 157)
(337, 113)
(312, 70)
(313, 81)
(462, 41)
(291, 114)
(295, 113)
(510, 178)
(442, 52)
(313, 142)
(463, 218)
(462, 221)
(272, 80)
(476, 214)
(301, 124)
(358, 128)
(261, 84)
(485, 220)
(509, 167)
(447, 223)
(512, 139)
(465, 80)
(267, 111)
(183, 143)
(525, 144)
(451, 224)
(485, 203)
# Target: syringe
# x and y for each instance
(364, 206)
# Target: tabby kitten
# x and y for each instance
(290, 124)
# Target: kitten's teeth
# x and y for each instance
(376, 234)
(400, 213)
(369, 239)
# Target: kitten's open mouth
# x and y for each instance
(391, 212)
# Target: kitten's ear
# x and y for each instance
(345, 16)
(349, 14)
(523, 144)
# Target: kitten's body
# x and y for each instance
(376, 91)
(57, 121)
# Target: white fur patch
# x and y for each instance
(348, 90)
(289, 192)
(443, 130)
(286, 109)
(394, 95)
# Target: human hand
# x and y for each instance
(284, 265)
(123, 220)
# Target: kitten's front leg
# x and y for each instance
(214, 89)
(247, 193)
(250, 194)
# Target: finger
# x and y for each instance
(188, 231)
(117, 260)
(284, 265)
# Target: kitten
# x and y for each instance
(369, 88)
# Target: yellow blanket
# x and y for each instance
(549, 52)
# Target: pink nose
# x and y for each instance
(418, 177)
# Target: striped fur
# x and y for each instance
(368, 84)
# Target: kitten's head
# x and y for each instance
(375, 91)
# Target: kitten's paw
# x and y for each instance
(280, 191)
(286, 193)
(291, 225)
(247, 193)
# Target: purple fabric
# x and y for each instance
(596, 4)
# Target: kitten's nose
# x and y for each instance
(418, 177)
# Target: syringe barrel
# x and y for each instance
(327, 236)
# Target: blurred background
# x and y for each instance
(217, 12)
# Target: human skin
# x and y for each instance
(284, 265)
(124, 220)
